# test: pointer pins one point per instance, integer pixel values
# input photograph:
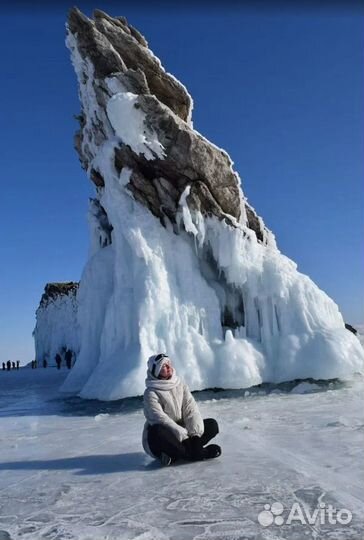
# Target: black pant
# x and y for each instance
(161, 439)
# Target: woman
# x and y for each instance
(174, 428)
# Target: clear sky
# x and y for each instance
(280, 89)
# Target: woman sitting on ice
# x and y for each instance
(174, 428)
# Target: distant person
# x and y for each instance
(4, 366)
(45, 363)
(68, 358)
(174, 428)
(13, 365)
(17, 364)
(8, 365)
(58, 360)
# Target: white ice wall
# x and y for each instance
(56, 327)
(146, 293)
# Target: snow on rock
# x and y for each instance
(179, 260)
(56, 326)
(129, 124)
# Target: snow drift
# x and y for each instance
(179, 261)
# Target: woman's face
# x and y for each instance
(166, 371)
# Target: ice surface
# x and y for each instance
(74, 469)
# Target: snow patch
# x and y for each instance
(100, 417)
(305, 388)
(128, 121)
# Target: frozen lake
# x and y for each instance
(74, 469)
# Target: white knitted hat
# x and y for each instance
(156, 362)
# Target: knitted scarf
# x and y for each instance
(162, 384)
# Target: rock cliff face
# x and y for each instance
(120, 59)
(56, 321)
(179, 261)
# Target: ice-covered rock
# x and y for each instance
(179, 261)
(126, 93)
(56, 326)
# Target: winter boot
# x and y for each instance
(211, 451)
(165, 460)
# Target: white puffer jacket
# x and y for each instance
(171, 403)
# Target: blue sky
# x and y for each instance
(280, 89)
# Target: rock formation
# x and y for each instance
(179, 262)
(56, 321)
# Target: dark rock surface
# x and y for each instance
(53, 290)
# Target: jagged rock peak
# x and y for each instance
(114, 46)
(117, 75)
